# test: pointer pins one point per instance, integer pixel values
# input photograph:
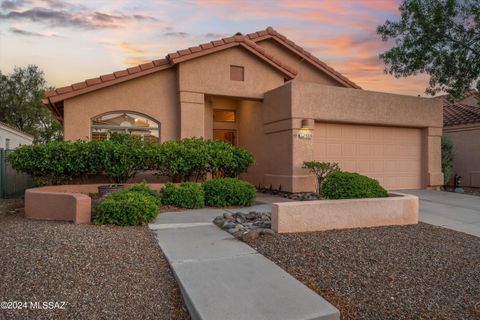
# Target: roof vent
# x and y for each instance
(238, 34)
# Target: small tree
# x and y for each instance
(447, 158)
(321, 170)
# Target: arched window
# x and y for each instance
(125, 122)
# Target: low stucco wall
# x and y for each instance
(304, 216)
(48, 205)
(64, 202)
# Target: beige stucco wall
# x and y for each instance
(285, 107)
(466, 141)
(337, 104)
(306, 71)
(154, 95)
(210, 74)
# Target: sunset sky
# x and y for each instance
(76, 40)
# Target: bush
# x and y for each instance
(61, 161)
(123, 156)
(447, 158)
(193, 158)
(228, 192)
(186, 195)
(143, 188)
(54, 162)
(126, 208)
(348, 185)
(183, 160)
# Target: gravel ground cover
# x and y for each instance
(100, 272)
(407, 272)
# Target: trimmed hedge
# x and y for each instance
(127, 208)
(193, 158)
(186, 195)
(123, 156)
(228, 192)
(348, 185)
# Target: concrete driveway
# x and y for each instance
(455, 211)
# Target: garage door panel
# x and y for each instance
(389, 154)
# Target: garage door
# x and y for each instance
(391, 155)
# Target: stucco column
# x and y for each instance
(192, 114)
(434, 176)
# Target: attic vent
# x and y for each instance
(237, 73)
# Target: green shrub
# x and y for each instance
(146, 190)
(184, 159)
(348, 185)
(193, 158)
(186, 195)
(58, 162)
(121, 157)
(54, 162)
(126, 208)
(447, 158)
(228, 192)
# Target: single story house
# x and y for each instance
(12, 137)
(263, 92)
(461, 120)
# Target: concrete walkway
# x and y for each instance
(223, 278)
(456, 211)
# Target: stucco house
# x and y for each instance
(461, 120)
(263, 92)
(11, 137)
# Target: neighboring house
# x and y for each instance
(461, 120)
(266, 94)
(11, 137)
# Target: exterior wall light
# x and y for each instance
(305, 131)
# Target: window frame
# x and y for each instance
(227, 110)
(118, 127)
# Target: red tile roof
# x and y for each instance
(248, 42)
(88, 85)
(280, 38)
(208, 48)
(457, 114)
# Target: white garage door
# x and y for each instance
(391, 155)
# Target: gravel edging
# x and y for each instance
(101, 272)
(407, 272)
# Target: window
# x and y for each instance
(7, 144)
(237, 73)
(125, 122)
(224, 115)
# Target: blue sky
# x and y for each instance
(76, 40)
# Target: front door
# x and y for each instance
(227, 136)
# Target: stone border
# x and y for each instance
(319, 215)
(64, 202)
